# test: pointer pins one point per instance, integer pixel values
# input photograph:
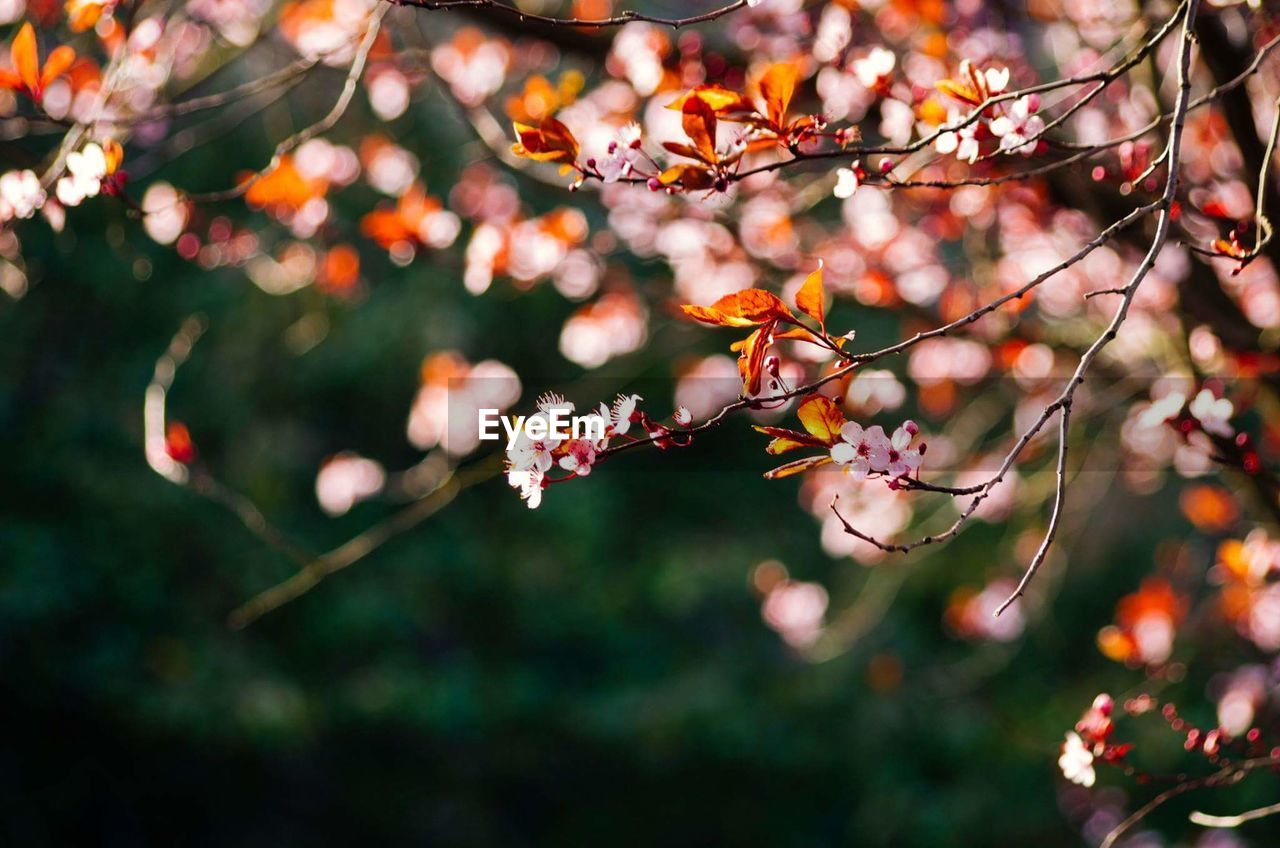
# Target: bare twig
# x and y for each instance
(198, 480)
(360, 546)
(1157, 244)
(1206, 820)
(1229, 774)
(1062, 404)
(321, 126)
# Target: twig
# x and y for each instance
(1157, 244)
(198, 480)
(1206, 820)
(1229, 774)
(323, 125)
(360, 546)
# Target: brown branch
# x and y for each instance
(360, 546)
(311, 131)
(1062, 404)
(1157, 244)
(198, 480)
(1206, 820)
(1229, 774)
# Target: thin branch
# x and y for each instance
(1157, 244)
(1229, 774)
(360, 546)
(321, 126)
(1206, 820)
(198, 480)
(1064, 400)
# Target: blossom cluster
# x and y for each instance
(531, 460)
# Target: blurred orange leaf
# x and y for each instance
(27, 75)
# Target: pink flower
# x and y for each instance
(847, 181)
(875, 68)
(579, 458)
(529, 482)
(962, 142)
(1021, 128)
(624, 410)
(902, 458)
(1213, 413)
(862, 450)
(1076, 761)
(624, 153)
(526, 453)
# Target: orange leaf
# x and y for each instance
(746, 308)
(721, 100)
(787, 440)
(800, 334)
(26, 58)
(111, 149)
(1229, 248)
(796, 467)
(692, 177)
(957, 90)
(683, 150)
(699, 121)
(777, 86)
(385, 227)
(550, 141)
(809, 298)
(751, 359)
(822, 418)
(57, 64)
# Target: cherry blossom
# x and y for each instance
(86, 169)
(1213, 413)
(1020, 128)
(20, 194)
(345, 480)
(873, 69)
(847, 181)
(902, 459)
(529, 482)
(624, 154)
(579, 456)
(622, 413)
(863, 451)
(527, 453)
(963, 142)
(1076, 761)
